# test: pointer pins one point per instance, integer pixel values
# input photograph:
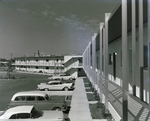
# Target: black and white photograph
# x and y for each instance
(75, 60)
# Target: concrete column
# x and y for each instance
(90, 58)
(94, 57)
(101, 53)
(134, 47)
(124, 61)
(107, 16)
(149, 44)
(87, 57)
(83, 59)
(93, 75)
(141, 45)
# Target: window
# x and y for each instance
(47, 60)
(36, 67)
(20, 98)
(47, 97)
(145, 56)
(110, 59)
(30, 98)
(36, 60)
(56, 83)
(13, 116)
(23, 115)
(40, 98)
(47, 67)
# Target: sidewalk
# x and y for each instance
(79, 106)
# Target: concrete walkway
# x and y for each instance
(79, 105)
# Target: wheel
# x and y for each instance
(66, 88)
(46, 89)
(57, 109)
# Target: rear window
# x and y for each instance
(36, 113)
(47, 97)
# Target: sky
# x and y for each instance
(54, 27)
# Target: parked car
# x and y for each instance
(62, 77)
(55, 85)
(27, 113)
(41, 100)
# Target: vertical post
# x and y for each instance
(83, 58)
(133, 46)
(148, 45)
(89, 58)
(93, 69)
(141, 45)
(101, 55)
(94, 60)
(124, 61)
(107, 16)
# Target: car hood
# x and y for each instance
(52, 115)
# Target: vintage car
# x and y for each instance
(55, 85)
(62, 77)
(27, 113)
(39, 99)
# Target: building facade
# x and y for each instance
(69, 64)
(40, 64)
(117, 61)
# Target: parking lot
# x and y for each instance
(22, 82)
(76, 99)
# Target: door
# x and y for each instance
(42, 103)
(114, 65)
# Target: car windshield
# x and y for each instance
(36, 113)
(47, 97)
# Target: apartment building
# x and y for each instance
(117, 61)
(69, 64)
(40, 64)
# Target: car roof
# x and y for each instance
(53, 81)
(28, 93)
(18, 109)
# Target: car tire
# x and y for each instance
(66, 89)
(57, 109)
(46, 89)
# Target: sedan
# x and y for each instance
(63, 77)
(28, 113)
(56, 85)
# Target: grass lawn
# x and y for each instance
(95, 112)
(90, 97)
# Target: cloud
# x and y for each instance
(92, 21)
(52, 13)
(45, 13)
(59, 19)
(81, 28)
(23, 10)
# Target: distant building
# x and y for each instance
(70, 64)
(42, 64)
